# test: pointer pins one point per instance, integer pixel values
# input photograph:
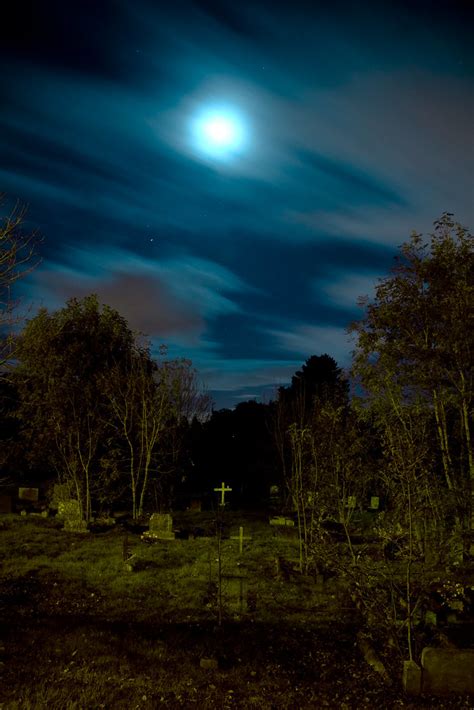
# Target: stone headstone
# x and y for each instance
(411, 678)
(29, 494)
(69, 508)
(161, 526)
(195, 505)
(374, 503)
(447, 671)
(61, 492)
(431, 618)
(283, 521)
(70, 511)
(5, 504)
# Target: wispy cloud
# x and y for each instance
(345, 289)
(306, 340)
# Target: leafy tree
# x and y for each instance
(321, 452)
(328, 474)
(320, 379)
(188, 402)
(415, 347)
(320, 382)
(63, 359)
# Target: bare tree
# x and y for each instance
(18, 257)
(149, 401)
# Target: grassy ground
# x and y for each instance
(78, 630)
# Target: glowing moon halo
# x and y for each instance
(220, 130)
(219, 133)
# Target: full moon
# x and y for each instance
(219, 133)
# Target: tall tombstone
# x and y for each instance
(275, 497)
(374, 502)
(61, 492)
(70, 511)
(161, 526)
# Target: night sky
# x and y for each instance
(242, 245)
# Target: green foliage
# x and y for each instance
(98, 409)
(63, 359)
(322, 450)
(414, 360)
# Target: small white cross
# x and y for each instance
(240, 537)
(223, 490)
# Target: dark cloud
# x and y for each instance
(239, 20)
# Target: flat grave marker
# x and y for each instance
(282, 521)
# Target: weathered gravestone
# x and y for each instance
(447, 670)
(70, 511)
(374, 503)
(281, 520)
(275, 497)
(61, 492)
(29, 494)
(161, 527)
(443, 671)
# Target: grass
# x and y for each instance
(79, 631)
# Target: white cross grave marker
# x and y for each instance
(240, 537)
(223, 490)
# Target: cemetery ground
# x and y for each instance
(109, 620)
